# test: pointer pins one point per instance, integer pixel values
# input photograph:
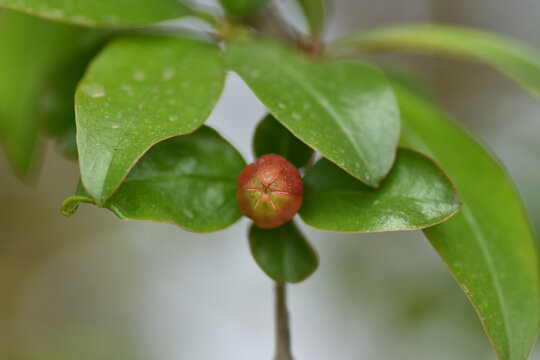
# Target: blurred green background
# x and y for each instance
(93, 287)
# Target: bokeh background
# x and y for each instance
(93, 287)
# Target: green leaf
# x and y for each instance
(314, 11)
(489, 246)
(139, 91)
(29, 48)
(273, 138)
(57, 98)
(345, 110)
(509, 57)
(242, 7)
(283, 253)
(416, 194)
(188, 181)
(102, 12)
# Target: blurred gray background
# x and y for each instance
(93, 287)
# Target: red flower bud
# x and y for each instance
(270, 191)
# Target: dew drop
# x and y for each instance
(93, 90)
(127, 88)
(168, 74)
(82, 19)
(139, 75)
(57, 13)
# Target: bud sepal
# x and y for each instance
(270, 191)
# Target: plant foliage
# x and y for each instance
(388, 159)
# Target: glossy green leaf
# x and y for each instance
(488, 246)
(102, 12)
(283, 253)
(242, 7)
(509, 57)
(57, 98)
(416, 194)
(314, 11)
(29, 48)
(188, 181)
(273, 138)
(343, 109)
(139, 91)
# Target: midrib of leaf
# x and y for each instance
(325, 105)
(140, 106)
(120, 139)
(481, 240)
(190, 52)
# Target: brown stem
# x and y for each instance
(283, 337)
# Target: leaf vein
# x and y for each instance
(321, 99)
(489, 261)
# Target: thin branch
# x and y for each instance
(283, 338)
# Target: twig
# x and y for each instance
(283, 338)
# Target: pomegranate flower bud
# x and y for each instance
(270, 191)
